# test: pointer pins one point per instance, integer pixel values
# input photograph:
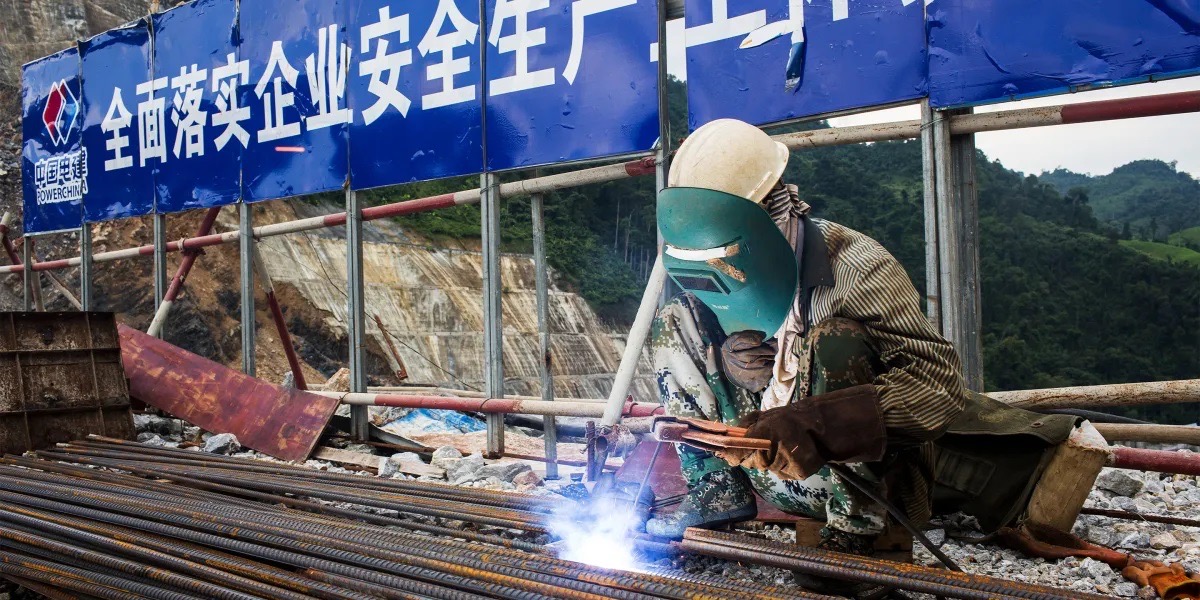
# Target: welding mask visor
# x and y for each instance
(729, 253)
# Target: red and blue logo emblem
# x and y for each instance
(61, 110)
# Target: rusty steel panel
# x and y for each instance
(60, 379)
(282, 422)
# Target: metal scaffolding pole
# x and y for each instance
(28, 275)
(246, 264)
(543, 309)
(493, 326)
(160, 260)
(958, 245)
(85, 267)
(356, 314)
(933, 298)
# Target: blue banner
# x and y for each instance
(299, 58)
(765, 61)
(205, 126)
(569, 80)
(54, 169)
(415, 90)
(125, 112)
(983, 51)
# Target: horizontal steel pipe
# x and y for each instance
(548, 183)
(1123, 394)
(493, 405)
(1153, 434)
(1159, 461)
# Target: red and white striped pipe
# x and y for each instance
(593, 410)
(185, 267)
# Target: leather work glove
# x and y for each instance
(748, 359)
(845, 426)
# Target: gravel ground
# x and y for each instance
(1117, 489)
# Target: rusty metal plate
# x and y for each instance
(284, 423)
(60, 379)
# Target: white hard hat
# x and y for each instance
(729, 156)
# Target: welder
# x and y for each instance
(812, 335)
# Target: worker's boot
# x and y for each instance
(846, 543)
(719, 498)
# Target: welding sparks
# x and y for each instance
(597, 533)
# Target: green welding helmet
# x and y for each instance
(729, 253)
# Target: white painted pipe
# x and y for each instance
(634, 343)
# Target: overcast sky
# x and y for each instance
(1093, 148)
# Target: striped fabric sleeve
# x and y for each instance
(922, 391)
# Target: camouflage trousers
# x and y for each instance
(686, 344)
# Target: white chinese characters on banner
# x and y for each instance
(116, 121)
(383, 67)
(580, 11)
(152, 135)
(387, 48)
(276, 100)
(326, 72)
(187, 114)
(518, 43)
(463, 33)
(229, 115)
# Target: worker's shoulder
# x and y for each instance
(851, 249)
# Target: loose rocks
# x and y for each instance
(222, 443)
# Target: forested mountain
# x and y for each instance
(1148, 199)
(1064, 303)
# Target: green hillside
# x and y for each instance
(1188, 238)
(1167, 252)
(1151, 196)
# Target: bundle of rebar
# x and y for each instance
(110, 519)
(847, 567)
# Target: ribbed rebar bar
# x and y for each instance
(850, 567)
(82, 580)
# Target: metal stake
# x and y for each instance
(933, 307)
(160, 259)
(493, 327)
(246, 256)
(85, 267)
(356, 314)
(958, 245)
(27, 275)
(543, 309)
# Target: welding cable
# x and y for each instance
(869, 490)
(851, 567)
(324, 509)
(226, 562)
(227, 538)
(80, 580)
(146, 555)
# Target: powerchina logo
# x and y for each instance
(61, 177)
(60, 112)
